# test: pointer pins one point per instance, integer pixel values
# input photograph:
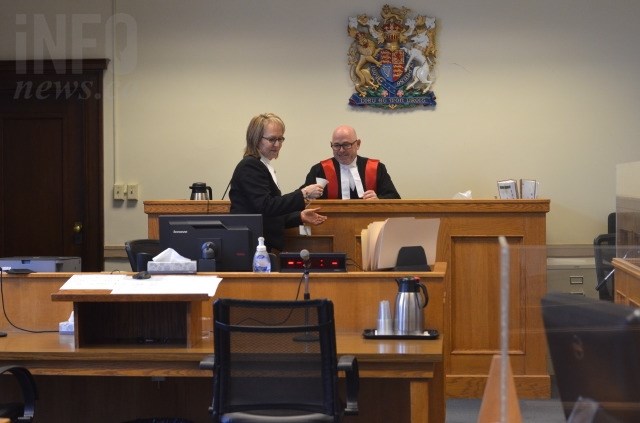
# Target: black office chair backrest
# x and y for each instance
(611, 223)
(271, 356)
(140, 251)
(21, 412)
(604, 250)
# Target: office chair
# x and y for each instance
(611, 223)
(140, 251)
(604, 249)
(21, 412)
(275, 361)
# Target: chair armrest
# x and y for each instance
(207, 363)
(28, 387)
(349, 365)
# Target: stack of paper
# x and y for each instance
(507, 189)
(157, 284)
(510, 189)
(529, 188)
(381, 241)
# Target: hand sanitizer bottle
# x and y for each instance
(261, 259)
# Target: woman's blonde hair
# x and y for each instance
(255, 130)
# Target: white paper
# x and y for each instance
(93, 281)
(466, 195)
(400, 232)
(373, 231)
(304, 230)
(529, 189)
(322, 182)
(507, 189)
(156, 284)
(169, 284)
(364, 245)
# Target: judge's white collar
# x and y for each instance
(350, 165)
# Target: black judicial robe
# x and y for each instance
(384, 190)
(253, 191)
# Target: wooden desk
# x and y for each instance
(402, 381)
(355, 295)
(102, 379)
(68, 376)
(468, 243)
(627, 282)
(175, 319)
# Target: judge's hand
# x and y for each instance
(311, 217)
(370, 195)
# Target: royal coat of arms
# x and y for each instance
(392, 60)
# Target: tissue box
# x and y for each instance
(171, 267)
(65, 328)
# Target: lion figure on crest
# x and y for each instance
(366, 51)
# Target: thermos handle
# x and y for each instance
(425, 294)
(210, 192)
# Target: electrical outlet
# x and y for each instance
(132, 191)
(119, 192)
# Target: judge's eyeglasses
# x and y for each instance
(345, 145)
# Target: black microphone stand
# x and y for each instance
(305, 276)
(307, 336)
(225, 191)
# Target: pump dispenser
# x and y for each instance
(261, 259)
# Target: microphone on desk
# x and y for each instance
(306, 258)
(306, 262)
(225, 191)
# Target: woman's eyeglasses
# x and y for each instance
(274, 140)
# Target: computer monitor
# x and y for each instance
(595, 351)
(235, 237)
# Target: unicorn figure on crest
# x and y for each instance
(421, 70)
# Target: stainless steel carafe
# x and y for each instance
(408, 319)
(201, 191)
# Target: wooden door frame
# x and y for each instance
(87, 70)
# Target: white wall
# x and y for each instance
(544, 90)
(627, 175)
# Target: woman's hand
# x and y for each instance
(311, 217)
(311, 192)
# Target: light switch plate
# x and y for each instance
(119, 192)
(132, 192)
